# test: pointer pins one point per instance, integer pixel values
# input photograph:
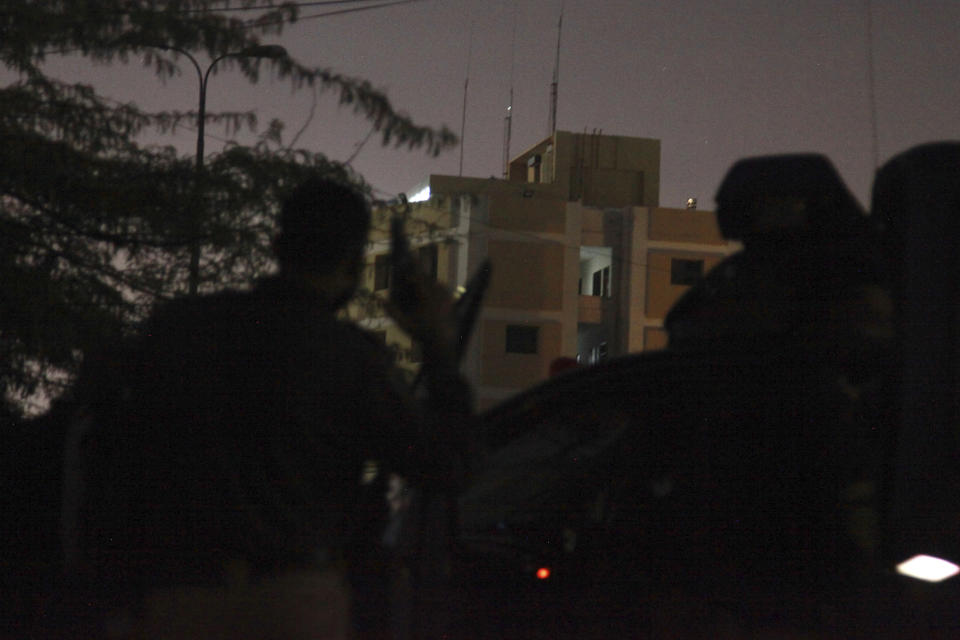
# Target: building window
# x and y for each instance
(381, 272)
(522, 339)
(598, 353)
(415, 353)
(466, 204)
(533, 168)
(600, 285)
(427, 256)
(685, 272)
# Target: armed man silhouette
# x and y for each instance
(224, 495)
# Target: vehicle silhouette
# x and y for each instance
(746, 482)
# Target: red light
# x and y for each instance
(543, 573)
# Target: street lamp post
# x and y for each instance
(259, 51)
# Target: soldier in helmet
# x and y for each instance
(809, 265)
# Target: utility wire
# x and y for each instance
(251, 24)
(260, 7)
(262, 23)
(360, 146)
(313, 112)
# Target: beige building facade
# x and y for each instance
(585, 262)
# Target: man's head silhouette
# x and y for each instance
(323, 229)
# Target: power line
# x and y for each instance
(251, 24)
(313, 111)
(263, 23)
(259, 7)
(359, 147)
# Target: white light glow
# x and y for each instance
(928, 568)
(420, 196)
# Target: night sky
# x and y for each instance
(715, 80)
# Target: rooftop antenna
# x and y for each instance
(466, 84)
(552, 125)
(871, 91)
(508, 120)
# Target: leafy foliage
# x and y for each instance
(96, 226)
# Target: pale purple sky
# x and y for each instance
(714, 80)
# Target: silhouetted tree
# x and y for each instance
(96, 225)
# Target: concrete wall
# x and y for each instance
(518, 370)
(526, 275)
(537, 212)
(599, 191)
(661, 294)
(684, 225)
(655, 339)
(602, 171)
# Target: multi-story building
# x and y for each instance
(586, 263)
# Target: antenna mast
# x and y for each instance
(552, 125)
(508, 120)
(871, 90)
(466, 84)
(507, 125)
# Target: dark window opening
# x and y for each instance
(685, 272)
(522, 339)
(597, 283)
(428, 258)
(415, 353)
(606, 282)
(381, 272)
(600, 352)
